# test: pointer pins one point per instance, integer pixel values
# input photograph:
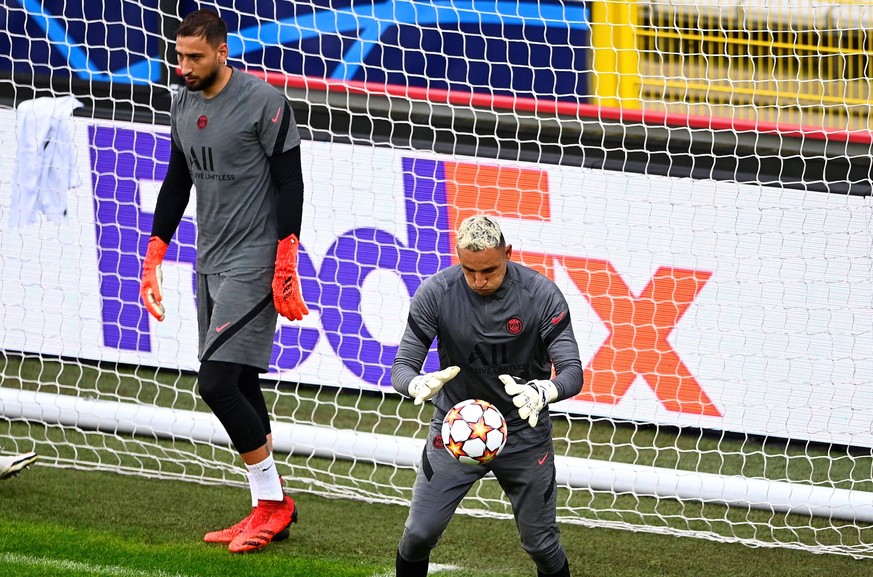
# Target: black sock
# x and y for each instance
(562, 572)
(406, 568)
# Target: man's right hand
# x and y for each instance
(150, 286)
(424, 387)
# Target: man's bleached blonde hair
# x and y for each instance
(480, 232)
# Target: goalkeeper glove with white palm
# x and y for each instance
(530, 397)
(286, 284)
(424, 387)
(150, 286)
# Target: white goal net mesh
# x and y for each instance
(711, 234)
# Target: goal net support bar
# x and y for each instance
(326, 442)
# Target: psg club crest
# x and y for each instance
(201, 122)
(514, 326)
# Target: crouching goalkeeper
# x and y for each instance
(234, 138)
(501, 327)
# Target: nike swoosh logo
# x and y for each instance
(222, 327)
(543, 460)
(276, 118)
(558, 318)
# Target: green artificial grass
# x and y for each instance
(70, 523)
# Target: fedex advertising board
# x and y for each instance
(695, 303)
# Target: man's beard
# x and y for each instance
(204, 82)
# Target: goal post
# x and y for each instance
(717, 265)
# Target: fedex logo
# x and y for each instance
(437, 196)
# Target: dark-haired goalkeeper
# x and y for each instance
(234, 138)
(500, 328)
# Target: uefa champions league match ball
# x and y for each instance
(474, 432)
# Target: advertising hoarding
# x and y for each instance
(695, 303)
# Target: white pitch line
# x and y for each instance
(435, 568)
(66, 565)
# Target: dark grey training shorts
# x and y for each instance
(236, 317)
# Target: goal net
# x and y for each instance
(714, 246)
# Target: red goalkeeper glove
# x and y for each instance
(150, 287)
(286, 284)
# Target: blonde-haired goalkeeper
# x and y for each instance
(501, 327)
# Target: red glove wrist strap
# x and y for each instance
(155, 253)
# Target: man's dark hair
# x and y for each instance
(205, 23)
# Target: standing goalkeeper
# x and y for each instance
(500, 328)
(234, 138)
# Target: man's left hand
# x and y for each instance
(286, 285)
(530, 397)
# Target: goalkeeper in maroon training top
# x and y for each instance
(500, 328)
(234, 138)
